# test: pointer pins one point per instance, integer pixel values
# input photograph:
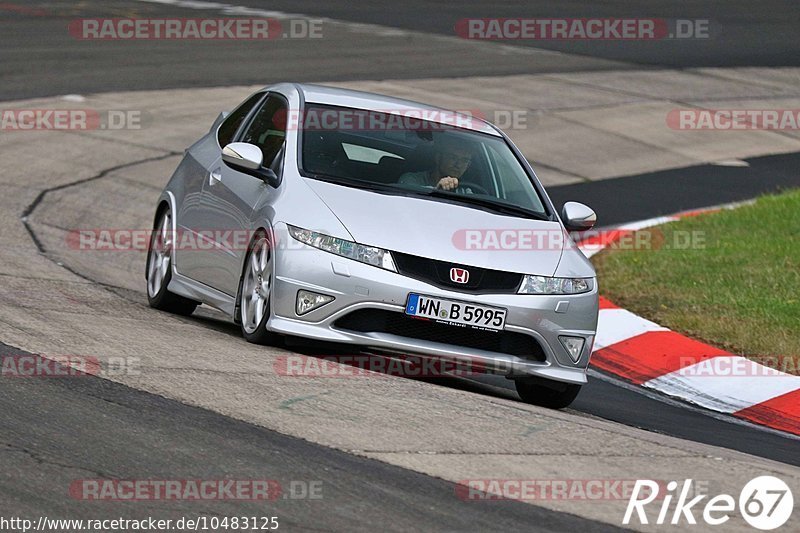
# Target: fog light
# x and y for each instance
(308, 301)
(574, 346)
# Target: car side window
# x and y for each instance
(227, 130)
(267, 130)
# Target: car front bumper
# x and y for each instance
(357, 286)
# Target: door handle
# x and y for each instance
(215, 176)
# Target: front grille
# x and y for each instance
(481, 280)
(382, 321)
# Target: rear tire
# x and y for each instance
(158, 272)
(546, 393)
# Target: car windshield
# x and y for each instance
(402, 154)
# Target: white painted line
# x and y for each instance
(227, 9)
(617, 325)
(590, 249)
(731, 163)
(648, 223)
(726, 383)
(674, 402)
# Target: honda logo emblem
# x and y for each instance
(459, 275)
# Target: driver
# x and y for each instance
(452, 159)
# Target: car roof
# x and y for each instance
(322, 94)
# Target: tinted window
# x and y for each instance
(231, 124)
(411, 155)
(267, 130)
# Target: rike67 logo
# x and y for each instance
(765, 502)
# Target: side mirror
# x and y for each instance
(578, 217)
(248, 158)
(243, 155)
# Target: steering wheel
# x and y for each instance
(464, 185)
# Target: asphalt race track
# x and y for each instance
(739, 39)
(383, 455)
(124, 439)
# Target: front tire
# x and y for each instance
(546, 393)
(159, 270)
(255, 291)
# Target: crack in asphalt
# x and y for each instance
(40, 278)
(287, 404)
(42, 460)
(28, 211)
(103, 173)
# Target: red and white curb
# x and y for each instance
(654, 357)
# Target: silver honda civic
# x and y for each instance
(385, 225)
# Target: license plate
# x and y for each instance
(456, 313)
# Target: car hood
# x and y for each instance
(445, 231)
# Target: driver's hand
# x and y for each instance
(447, 183)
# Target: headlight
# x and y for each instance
(546, 285)
(358, 252)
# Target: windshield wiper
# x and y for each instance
(509, 209)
